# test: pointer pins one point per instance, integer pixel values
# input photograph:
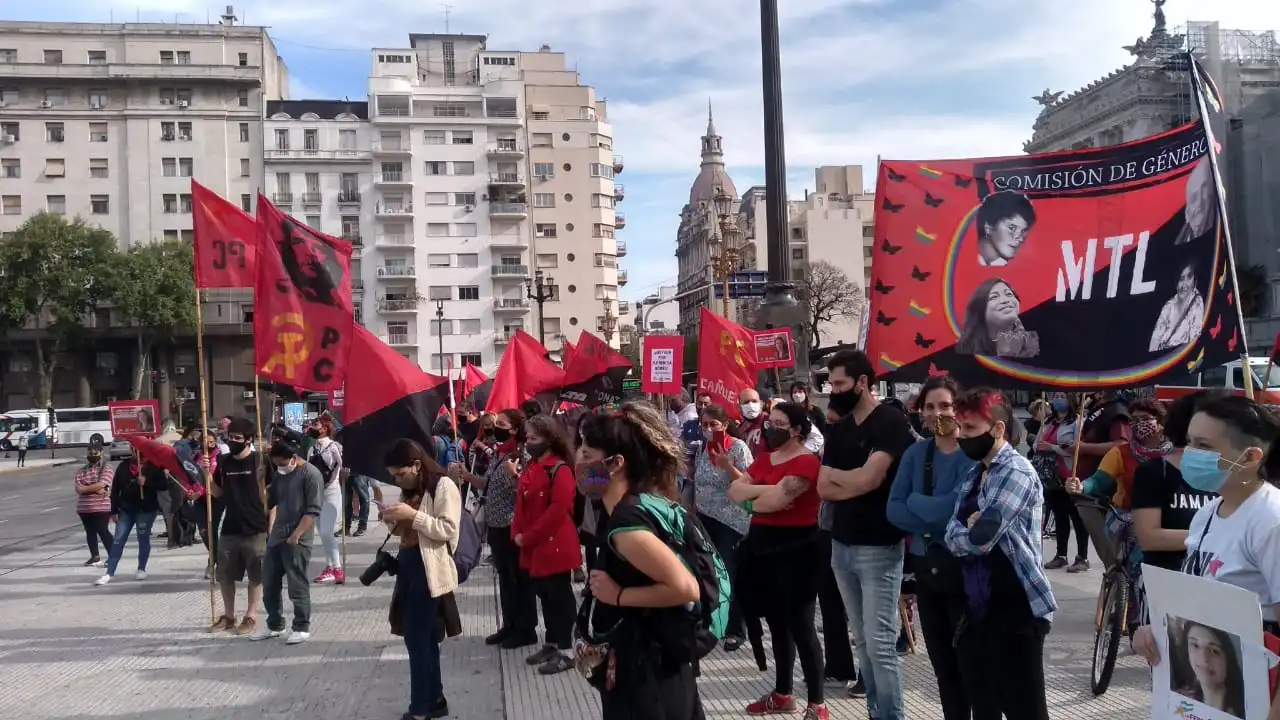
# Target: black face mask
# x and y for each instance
(535, 450)
(775, 438)
(313, 433)
(976, 448)
(502, 434)
(236, 447)
(843, 403)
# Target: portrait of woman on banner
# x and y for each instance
(1201, 212)
(1004, 220)
(1207, 665)
(1182, 317)
(993, 326)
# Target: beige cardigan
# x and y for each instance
(438, 536)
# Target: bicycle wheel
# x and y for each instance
(1106, 640)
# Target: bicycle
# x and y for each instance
(1111, 620)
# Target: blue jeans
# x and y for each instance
(125, 524)
(870, 580)
(357, 487)
(426, 687)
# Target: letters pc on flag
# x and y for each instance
(303, 319)
(225, 241)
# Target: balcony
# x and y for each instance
(510, 240)
(622, 248)
(312, 199)
(508, 210)
(624, 307)
(393, 241)
(392, 146)
(399, 272)
(503, 337)
(617, 164)
(357, 285)
(510, 304)
(397, 305)
(392, 177)
(348, 198)
(506, 179)
(619, 220)
(357, 245)
(314, 154)
(400, 339)
(622, 277)
(509, 271)
(619, 191)
(247, 75)
(393, 209)
(506, 148)
(282, 199)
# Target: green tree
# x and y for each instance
(153, 290)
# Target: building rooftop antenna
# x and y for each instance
(448, 10)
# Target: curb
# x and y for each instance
(56, 463)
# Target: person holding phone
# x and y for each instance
(726, 523)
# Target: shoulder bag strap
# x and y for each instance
(551, 481)
(928, 478)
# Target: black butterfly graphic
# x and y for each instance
(889, 249)
(932, 201)
(890, 207)
(894, 176)
(922, 342)
(963, 182)
(885, 319)
(882, 288)
(918, 274)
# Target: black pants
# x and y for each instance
(559, 608)
(285, 563)
(97, 526)
(835, 630)
(783, 568)
(674, 697)
(22, 457)
(515, 590)
(726, 540)
(1066, 517)
(1009, 664)
(940, 614)
(208, 534)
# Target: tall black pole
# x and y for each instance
(440, 333)
(542, 319)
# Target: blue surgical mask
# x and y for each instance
(1200, 470)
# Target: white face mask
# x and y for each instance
(797, 397)
(751, 410)
(283, 469)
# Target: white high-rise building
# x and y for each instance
(493, 175)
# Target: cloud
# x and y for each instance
(300, 89)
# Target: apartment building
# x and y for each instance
(110, 122)
(493, 178)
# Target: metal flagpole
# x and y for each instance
(204, 457)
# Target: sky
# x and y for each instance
(903, 79)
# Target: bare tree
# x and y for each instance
(829, 296)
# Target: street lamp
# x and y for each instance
(725, 264)
(440, 332)
(540, 289)
(608, 323)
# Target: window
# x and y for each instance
(440, 292)
(245, 170)
(541, 139)
(310, 139)
(548, 260)
(797, 253)
(242, 95)
(312, 183)
(465, 359)
(469, 327)
(55, 97)
(9, 96)
(313, 221)
(435, 168)
(11, 204)
(54, 132)
(606, 260)
(169, 203)
(441, 363)
(347, 140)
(246, 202)
(462, 137)
(350, 185)
(185, 203)
(98, 168)
(10, 130)
(601, 200)
(468, 260)
(544, 200)
(437, 229)
(350, 226)
(166, 57)
(168, 132)
(284, 183)
(437, 198)
(55, 167)
(8, 55)
(600, 230)
(100, 204)
(98, 132)
(244, 132)
(464, 168)
(544, 170)
(11, 168)
(169, 167)
(168, 96)
(601, 171)
(465, 230)
(184, 131)
(606, 292)
(244, 59)
(97, 57)
(282, 139)
(186, 167)
(544, 230)
(52, 57)
(97, 99)
(468, 292)
(439, 260)
(466, 199)
(433, 137)
(56, 204)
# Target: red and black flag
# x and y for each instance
(389, 399)
(524, 373)
(475, 386)
(303, 319)
(593, 373)
(225, 242)
(1012, 271)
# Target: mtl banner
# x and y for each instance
(1090, 269)
(303, 317)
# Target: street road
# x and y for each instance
(37, 505)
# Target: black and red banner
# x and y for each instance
(593, 373)
(1090, 269)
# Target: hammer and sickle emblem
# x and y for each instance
(729, 345)
(293, 345)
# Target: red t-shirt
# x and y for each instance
(804, 511)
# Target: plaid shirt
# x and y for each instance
(1012, 494)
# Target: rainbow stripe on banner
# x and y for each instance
(929, 172)
(1119, 377)
(918, 310)
(925, 237)
(888, 363)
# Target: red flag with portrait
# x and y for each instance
(726, 360)
(303, 319)
(225, 241)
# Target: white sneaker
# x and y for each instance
(100, 564)
(297, 637)
(264, 633)
(140, 575)
(103, 580)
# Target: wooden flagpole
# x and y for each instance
(204, 456)
(257, 412)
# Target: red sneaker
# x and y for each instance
(339, 577)
(817, 712)
(325, 577)
(772, 704)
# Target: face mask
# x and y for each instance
(593, 478)
(775, 438)
(283, 469)
(313, 433)
(751, 410)
(843, 403)
(1144, 429)
(95, 458)
(534, 449)
(944, 425)
(798, 397)
(978, 447)
(1200, 470)
(502, 434)
(236, 447)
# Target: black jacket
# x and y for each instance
(128, 495)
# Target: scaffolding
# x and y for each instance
(1241, 47)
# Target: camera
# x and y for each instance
(384, 563)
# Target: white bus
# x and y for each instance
(76, 425)
(40, 427)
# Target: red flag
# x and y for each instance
(662, 359)
(593, 373)
(226, 241)
(164, 456)
(1275, 351)
(472, 378)
(303, 320)
(524, 372)
(567, 350)
(726, 365)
